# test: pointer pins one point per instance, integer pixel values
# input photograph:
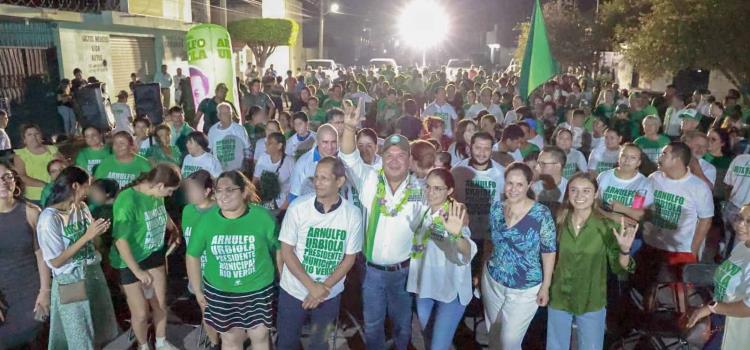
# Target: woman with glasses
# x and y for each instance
(588, 244)
(440, 269)
(731, 293)
(140, 222)
(519, 262)
(235, 289)
(24, 277)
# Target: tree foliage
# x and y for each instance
(659, 36)
(263, 35)
(569, 33)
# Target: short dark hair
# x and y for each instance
(301, 116)
(199, 138)
(556, 152)
(335, 111)
(256, 80)
(337, 166)
(481, 135)
(175, 109)
(410, 107)
(513, 132)
(76, 71)
(682, 151)
(579, 112)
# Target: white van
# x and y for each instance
(329, 66)
(380, 62)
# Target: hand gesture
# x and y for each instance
(96, 228)
(542, 297)
(455, 220)
(144, 277)
(352, 115)
(625, 235)
(310, 303)
(697, 315)
(42, 302)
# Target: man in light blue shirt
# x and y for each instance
(165, 84)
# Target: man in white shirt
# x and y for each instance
(123, 113)
(485, 103)
(228, 140)
(442, 109)
(303, 139)
(682, 210)
(4, 139)
(697, 141)
(479, 181)
(672, 116)
(550, 189)
(320, 237)
(738, 182)
(326, 144)
(508, 149)
(394, 210)
(165, 84)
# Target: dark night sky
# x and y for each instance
(470, 18)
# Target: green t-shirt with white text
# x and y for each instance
(88, 158)
(123, 173)
(141, 220)
(239, 252)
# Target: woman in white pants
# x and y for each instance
(520, 261)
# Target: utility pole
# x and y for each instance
(322, 29)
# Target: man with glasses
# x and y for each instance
(550, 189)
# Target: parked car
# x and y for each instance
(380, 62)
(454, 64)
(328, 66)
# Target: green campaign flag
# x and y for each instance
(538, 64)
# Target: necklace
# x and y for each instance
(435, 229)
(380, 197)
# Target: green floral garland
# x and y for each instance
(437, 224)
(380, 196)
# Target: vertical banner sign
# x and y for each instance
(209, 51)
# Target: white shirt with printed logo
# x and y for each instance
(284, 172)
(478, 189)
(444, 112)
(612, 187)
(320, 241)
(738, 176)
(205, 161)
(678, 204)
(230, 146)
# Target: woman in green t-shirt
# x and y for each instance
(139, 226)
(240, 242)
(124, 165)
(163, 150)
(199, 190)
(94, 152)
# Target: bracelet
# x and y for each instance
(455, 238)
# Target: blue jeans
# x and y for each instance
(292, 316)
(384, 292)
(447, 318)
(589, 333)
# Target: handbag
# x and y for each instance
(72, 292)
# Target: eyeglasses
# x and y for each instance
(228, 190)
(8, 177)
(429, 188)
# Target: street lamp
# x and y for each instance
(334, 8)
(422, 25)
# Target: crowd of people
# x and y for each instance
(427, 190)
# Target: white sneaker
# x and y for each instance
(167, 346)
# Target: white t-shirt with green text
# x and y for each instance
(230, 146)
(57, 230)
(478, 189)
(738, 176)
(731, 284)
(205, 161)
(613, 188)
(678, 204)
(320, 241)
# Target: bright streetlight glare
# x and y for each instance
(423, 24)
(335, 8)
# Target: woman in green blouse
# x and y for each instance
(587, 243)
